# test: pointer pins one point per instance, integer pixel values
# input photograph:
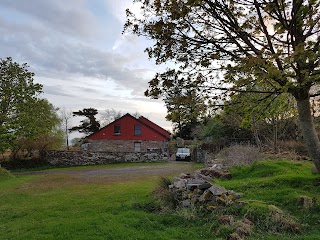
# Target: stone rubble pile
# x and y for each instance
(193, 189)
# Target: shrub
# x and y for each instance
(293, 146)
(24, 164)
(190, 214)
(163, 194)
(239, 155)
(164, 182)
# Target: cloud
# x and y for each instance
(56, 91)
(70, 17)
(77, 51)
(49, 57)
(51, 48)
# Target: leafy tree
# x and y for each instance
(37, 117)
(16, 90)
(226, 128)
(275, 44)
(270, 119)
(37, 147)
(6, 139)
(89, 125)
(37, 127)
(185, 104)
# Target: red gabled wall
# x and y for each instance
(127, 123)
(154, 126)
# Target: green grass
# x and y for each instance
(5, 174)
(107, 166)
(58, 207)
(62, 206)
(280, 183)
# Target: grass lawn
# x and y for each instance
(65, 206)
(60, 206)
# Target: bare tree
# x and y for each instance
(66, 115)
(109, 116)
(136, 114)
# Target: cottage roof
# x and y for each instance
(142, 120)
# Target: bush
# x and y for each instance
(239, 155)
(24, 164)
(293, 146)
(4, 173)
(163, 194)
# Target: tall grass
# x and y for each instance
(239, 154)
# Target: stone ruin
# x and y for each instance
(197, 189)
(192, 189)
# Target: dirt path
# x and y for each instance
(101, 174)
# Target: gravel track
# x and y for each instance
(116, 173)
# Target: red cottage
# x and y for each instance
(129, 134)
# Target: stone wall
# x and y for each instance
(122, 145)
(74, 158)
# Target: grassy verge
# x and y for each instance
(284, 186)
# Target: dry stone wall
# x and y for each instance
(122, 145)
(76, 158)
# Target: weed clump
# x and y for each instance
(232, 229)
(4, 173)
(150, 206)
(239, 155)
(163, 199)
(271, 218)
(306, 202)
(162, 193)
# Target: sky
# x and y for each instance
(78, 53)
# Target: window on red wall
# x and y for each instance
(117, 129)
(137, 130)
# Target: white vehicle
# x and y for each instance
(183, 154)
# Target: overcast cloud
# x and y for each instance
(77, 51)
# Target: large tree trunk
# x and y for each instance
(308, 131)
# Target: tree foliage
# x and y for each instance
(36, 118)
(269, 119)
(274, 44)
(37, 128)
(89, 125)
(27, 122)
(17, 91)
(185, 104)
